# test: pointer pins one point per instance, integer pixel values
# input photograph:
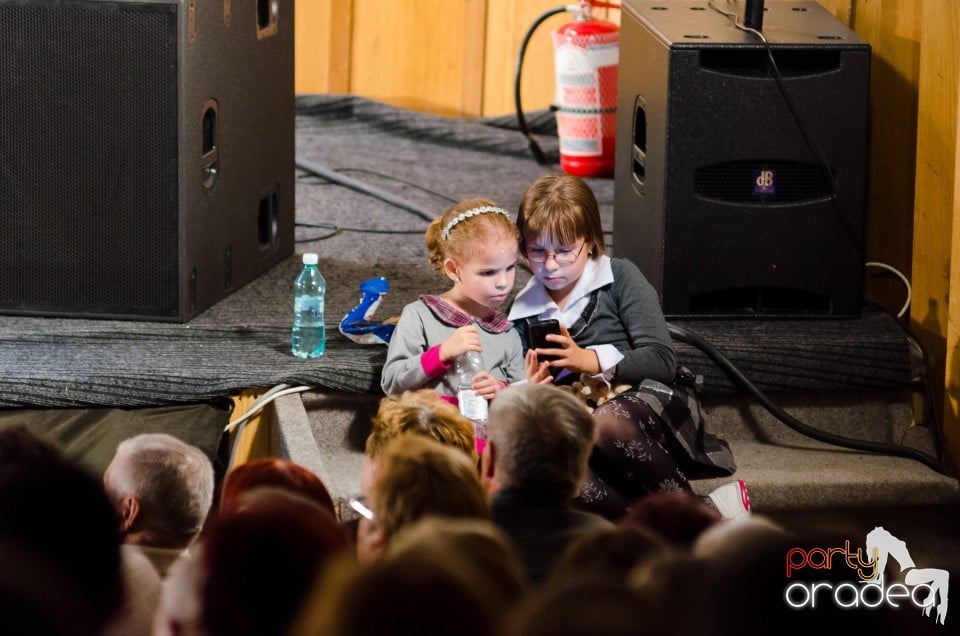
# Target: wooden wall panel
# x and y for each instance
(893, 30)
(322, 49)
(425, 55)
(935, 197)
(508, 22)
(951, 418)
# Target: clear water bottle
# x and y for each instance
(472, 406)
(308, 338)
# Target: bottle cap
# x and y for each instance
(309, 258)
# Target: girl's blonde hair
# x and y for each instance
(420, 412)
(561, 208)
(447, 237)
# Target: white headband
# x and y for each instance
(463, 216)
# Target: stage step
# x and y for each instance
(785, 471)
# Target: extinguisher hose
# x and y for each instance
(521, 118)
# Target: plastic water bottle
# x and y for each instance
(308, 338)
(472, 406)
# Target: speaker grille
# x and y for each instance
(786, 182)
(89, 151)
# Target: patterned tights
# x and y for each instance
(635, 458)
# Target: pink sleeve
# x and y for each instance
(431, 363)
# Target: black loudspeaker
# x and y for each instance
(146, 153)
(738, 192)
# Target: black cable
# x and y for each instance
(325, 172)
(398, 180)
(336, 229)
(535, 148)
(814, 148)
(687, 336)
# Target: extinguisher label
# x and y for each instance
(586, 79)
(579, 134)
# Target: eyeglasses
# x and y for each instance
(563, 256)
(359, 504)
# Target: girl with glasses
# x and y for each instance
(613, 329)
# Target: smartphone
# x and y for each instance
(538, 335)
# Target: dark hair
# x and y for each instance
(273, 471)
(262, 561)
(679, 516)
(60, 514)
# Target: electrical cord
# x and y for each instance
(237, 425)
(336, 229)
(398, 180)
(903, 279)
(689, 337)
(361, 187)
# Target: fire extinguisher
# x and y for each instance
(586, 53)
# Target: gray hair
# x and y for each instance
(542, 437)
(172, 481)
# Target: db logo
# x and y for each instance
(764, 182)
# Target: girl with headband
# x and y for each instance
(475, 245)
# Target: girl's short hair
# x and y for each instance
(561, 208)
(457, 234)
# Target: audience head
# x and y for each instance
(59, 541)
(273, 471)
(607, 554)
(736, 571)
(589, 607)
(538, 436)
(419, 477)
(422, 412)
(162, 488)
(678, 516)
(260, 562)
(477, 550)
(397, 596)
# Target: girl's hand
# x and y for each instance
(485, 385)
(464, 339)
(568, 355)
(537, 372)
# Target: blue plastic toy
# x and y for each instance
(357, 325)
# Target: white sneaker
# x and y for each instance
(732, 500)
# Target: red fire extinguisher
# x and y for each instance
(586, 54)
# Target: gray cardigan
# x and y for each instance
(419, 330)
(627, 315)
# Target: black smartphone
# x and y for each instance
(538, 335)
